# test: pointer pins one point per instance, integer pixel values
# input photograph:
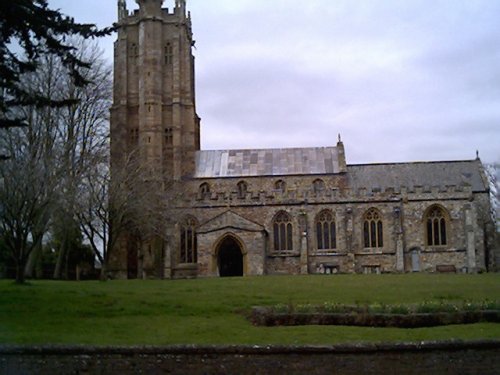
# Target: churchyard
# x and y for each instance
(214, 310)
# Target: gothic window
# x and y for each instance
(242, 189)
(134, 136)
(204, 190)
(188, 243)
(283, 232)
(280, 185)
(373, 229)
(318, 185)
(169, 137)
(168, 54)
(326, 233)
(436, 227)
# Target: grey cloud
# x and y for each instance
(401, 80)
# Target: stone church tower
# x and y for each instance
(153, 117)
(154, 97)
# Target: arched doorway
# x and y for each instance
(230, 258)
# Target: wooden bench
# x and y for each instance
(446, 268)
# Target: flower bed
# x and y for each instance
(427, 314)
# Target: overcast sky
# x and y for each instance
(399, 80)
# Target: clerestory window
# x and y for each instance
(242, 189)
(204, 190)
(280, 185)
(318, 185)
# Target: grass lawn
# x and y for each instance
(208, 311)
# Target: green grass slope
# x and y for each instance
(209, 311)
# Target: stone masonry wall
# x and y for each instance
(402, 212)
(423, 358)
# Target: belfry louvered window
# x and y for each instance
(169, 54)
(169, 137)
(134, 136)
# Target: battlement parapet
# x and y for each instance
(332, 195)
(152, 9)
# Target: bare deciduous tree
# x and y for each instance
(82, 140)
(50, 158)
(131, 201)
(27, 186)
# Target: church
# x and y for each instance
(274, 211)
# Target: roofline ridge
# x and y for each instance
(267, 149)
(415, 162)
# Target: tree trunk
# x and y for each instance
(20, 272)
(103, 276)
(62, 256)
(39, 274)
(59, 263)
(33, 261)
(66, 262)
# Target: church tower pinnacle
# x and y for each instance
(122, 9)
(181, 5)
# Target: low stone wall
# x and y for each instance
(455, 357)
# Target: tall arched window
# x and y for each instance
(188, 244)
(326, 233)
(373, 229)
(283, 232)
(280, 185)
(436, 227)
(204, 190)
(242, 189)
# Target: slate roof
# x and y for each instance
(425, 174)
(325, 160)
(266, 162)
